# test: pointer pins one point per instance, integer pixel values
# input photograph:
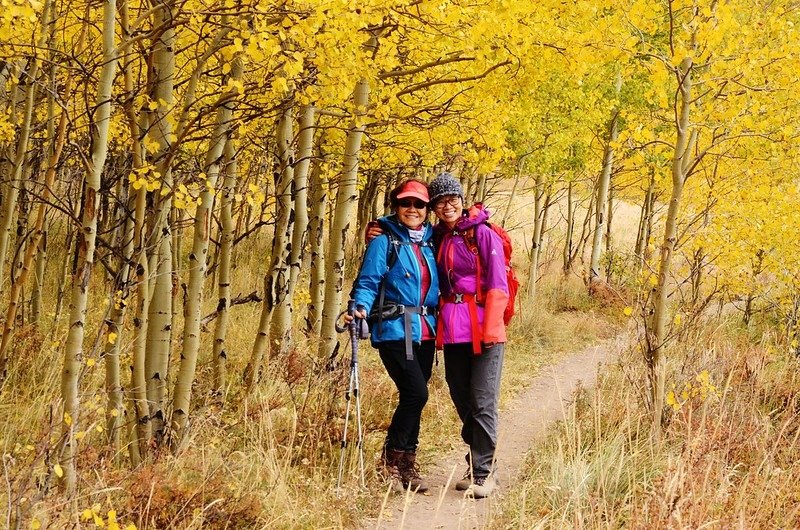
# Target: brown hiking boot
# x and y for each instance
(389, 468)
(409, 471)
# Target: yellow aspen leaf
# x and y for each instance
(226, 68)
(98, 428)
(678, 319)
(36, 523)
(112, 338)
(86, 515)
(68, 418)
(671, 401)
(90, 362)
(58, 470)
(114, 413)
(80, 435)
(628, 311)
(153, 105)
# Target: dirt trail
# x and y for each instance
(521, 422)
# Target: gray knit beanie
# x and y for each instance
(444, 184)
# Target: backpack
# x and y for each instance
(511, 276)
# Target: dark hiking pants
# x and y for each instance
(411, 378)
(474, 382)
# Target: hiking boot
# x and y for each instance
(482, 487)
(390, 467)
(466, 480)
(409, 471)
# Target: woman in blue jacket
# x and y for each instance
(398, 288)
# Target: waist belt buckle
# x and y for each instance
(424, 311)
(459, 298)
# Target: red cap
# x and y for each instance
(414, 189)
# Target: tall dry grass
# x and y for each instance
(727, 457)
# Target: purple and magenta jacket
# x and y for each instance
(457, 268)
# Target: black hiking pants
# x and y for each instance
(411, 378)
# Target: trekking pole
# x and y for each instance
(357, 329)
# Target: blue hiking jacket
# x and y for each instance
(403, 281)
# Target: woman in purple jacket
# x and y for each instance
(474, 294)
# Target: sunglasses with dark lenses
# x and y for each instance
(408, 203)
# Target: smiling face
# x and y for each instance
(448, 209)
(411, 212)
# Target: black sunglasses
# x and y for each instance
(408, 203)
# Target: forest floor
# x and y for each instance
(525, 419)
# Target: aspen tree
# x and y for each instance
(316, 229)
(57, 136)
(160, 308)
(276, 277)
(685, 137)
(480, 189)
(604, 181)
(10, 192)
(608, 238)
(219, 354)
(536, 238)
(346, 200)
(566, 265)
(35, 237)
(139, 434)
(73, 350)
(198, 264)
(305, 152)
(512, 196)
(35, 304)
(298, 223)
(645, 224)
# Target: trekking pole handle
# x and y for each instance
(357, 327)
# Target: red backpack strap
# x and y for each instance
(472, 244)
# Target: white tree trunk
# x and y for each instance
(73, 351)
(681, 160)
(602, 190)
(160, 309)
(316, 230)
(220, 356)
(346, 201)
(198, 264)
